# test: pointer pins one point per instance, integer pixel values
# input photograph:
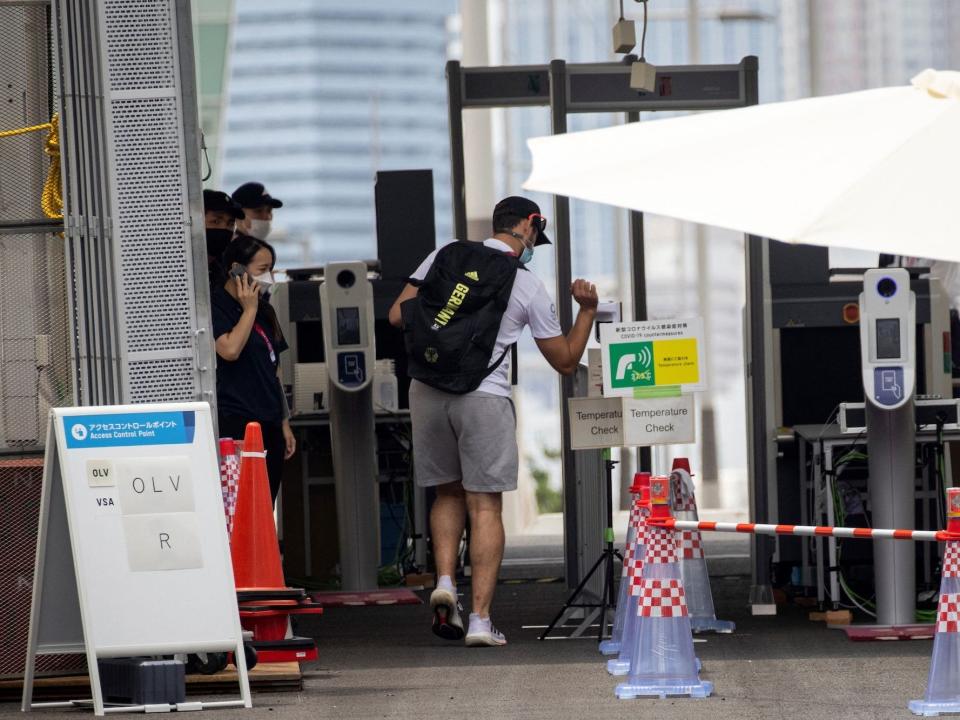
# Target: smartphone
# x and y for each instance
(237, 270)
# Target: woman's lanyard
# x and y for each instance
(261, 333)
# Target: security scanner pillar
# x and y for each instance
(888, 353)
(346, 298)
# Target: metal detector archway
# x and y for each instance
(605, 87)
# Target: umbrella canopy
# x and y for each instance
(876, 170)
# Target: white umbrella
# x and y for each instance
(874, 170)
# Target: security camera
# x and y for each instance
(643, 76)
(624, 36)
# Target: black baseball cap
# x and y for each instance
(217, 201)
(254, 195)
(521, 207)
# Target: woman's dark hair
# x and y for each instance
(242, 250)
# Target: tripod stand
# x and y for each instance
(606, 560)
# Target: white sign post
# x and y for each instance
(132, 551)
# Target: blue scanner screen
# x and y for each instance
(348, 326)
(888, 338)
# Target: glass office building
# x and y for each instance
(322, 95)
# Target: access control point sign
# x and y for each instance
(654, 358)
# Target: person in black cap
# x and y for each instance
(258, 206)
(220, 215)
(465, 445)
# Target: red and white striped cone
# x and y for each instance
(633, 573)
(613, 645)
(229, 479)
(693, 564)
(943, 683)
(662, 658)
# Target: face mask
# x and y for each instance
(526, 256)
(259, 228)
(217, 241)
(265, 279)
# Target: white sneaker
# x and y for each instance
(482, 633)
(446, 614)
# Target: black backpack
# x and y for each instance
(450, 328)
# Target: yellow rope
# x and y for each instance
(24, 131)
(51, 201)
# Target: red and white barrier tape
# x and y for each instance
(814, 530)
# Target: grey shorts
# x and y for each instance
(463, 438)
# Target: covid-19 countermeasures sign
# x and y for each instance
(655, 358)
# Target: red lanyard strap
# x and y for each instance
(261, 333)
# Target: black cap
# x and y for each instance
(516, 206)
(217, 201)
(254, 195)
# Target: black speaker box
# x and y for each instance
(406, 231)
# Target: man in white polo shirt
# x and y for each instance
(465, 445)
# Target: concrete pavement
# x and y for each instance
(383, 662)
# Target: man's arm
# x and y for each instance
(394, 316)
(564, 352)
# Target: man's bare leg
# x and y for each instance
(447, 520)
(486, 547)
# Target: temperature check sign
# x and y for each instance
(652, 358)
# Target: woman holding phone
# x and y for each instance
(248, 344)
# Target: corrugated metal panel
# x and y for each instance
(110, 311)
(148, 156)
(33, 330)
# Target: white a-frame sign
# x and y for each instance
(132, 553)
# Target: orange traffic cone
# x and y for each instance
(943, 683)
(265, 601)
(693, 564)
(254, 547)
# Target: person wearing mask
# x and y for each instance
(220, 215)
(258, 207)
(248, 344)
(464, 441)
